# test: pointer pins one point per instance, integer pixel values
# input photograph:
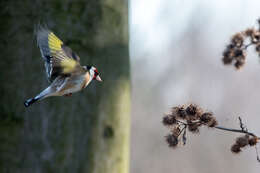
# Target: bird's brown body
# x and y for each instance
(64, 86)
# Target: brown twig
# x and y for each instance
(236, 130)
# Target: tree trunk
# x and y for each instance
(88, 132)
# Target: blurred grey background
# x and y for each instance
(176, 49)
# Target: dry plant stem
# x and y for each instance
(236, 130)
(227, 129)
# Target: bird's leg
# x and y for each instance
(68, 95)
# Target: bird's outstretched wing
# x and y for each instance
(59, 59)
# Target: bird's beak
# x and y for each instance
(98, 78)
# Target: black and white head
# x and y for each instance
(93, 73)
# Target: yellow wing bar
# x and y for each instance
(68, 65)
(54, 43)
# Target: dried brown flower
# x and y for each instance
(235, 51)
(181, 113)
(189, 118)
(235, 148)
(248, 32)
(237, 40)
(242, 141)
(253, 141)
(186, 117)
(193, 127)
(239, 63)
(206, 117)
(169, 120)
(255, 36)
(192, 110)
(172, 140)
(213, 122)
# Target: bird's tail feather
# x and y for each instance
(30, 101)
(45, 93)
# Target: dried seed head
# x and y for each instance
(252, 141)
(181, 113)
(227, 54)
(248, 32)
(238, 40)
(213, 122)
(191, 110)
(169, 120)
(235, 148)
(257, 48)
(240, 63)
(227, 60)
(255, 37)
(242, 141)
(193, 127)
(194, 112)
(172, 140)
(231, 46)
(238, 52)
(206, 117)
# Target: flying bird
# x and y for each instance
(63, 69)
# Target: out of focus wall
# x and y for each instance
(175, 49)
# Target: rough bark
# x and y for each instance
(88, 132)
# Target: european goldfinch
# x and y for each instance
(62, 67)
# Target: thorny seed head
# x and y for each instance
(240, 63)
(169, 120)
(227, 56)
(179, 121)
(172, 140)
(255, 36)
(238, 40)
(180, 112)
(248, 32)
(235, 148)
(242, 141)
(191, 110)
(193, 127)
(189, 117)
(206, 117)
(235, 51)
(253, 141)
(234, 54)
(238, 52)
(227, 60)
(213, 122)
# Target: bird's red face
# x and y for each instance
(96, 75)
